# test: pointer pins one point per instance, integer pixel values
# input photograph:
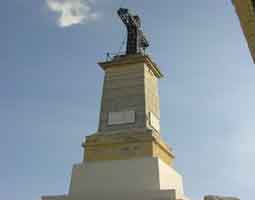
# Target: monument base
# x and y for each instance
(146, 178)
(121, 145)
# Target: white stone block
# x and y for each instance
(146, 178)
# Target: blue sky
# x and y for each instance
(50, 89)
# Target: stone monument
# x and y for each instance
(126, 158)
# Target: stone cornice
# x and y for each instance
(122, 61)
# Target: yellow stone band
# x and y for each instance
(124, 146)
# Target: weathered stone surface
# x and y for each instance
(127, 145)
(129, 86)
(211, 197)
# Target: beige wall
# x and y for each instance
(246, 13)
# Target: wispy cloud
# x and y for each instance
(71, 12)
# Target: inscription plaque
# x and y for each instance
(125, 117)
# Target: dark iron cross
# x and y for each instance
(136, 40)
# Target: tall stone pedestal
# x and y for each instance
(126, 159)
(146, 178)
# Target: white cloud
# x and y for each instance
(72, 12)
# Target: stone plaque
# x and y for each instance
(154, 122)
(125, 117)
(211, 197)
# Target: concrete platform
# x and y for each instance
(147, 178)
